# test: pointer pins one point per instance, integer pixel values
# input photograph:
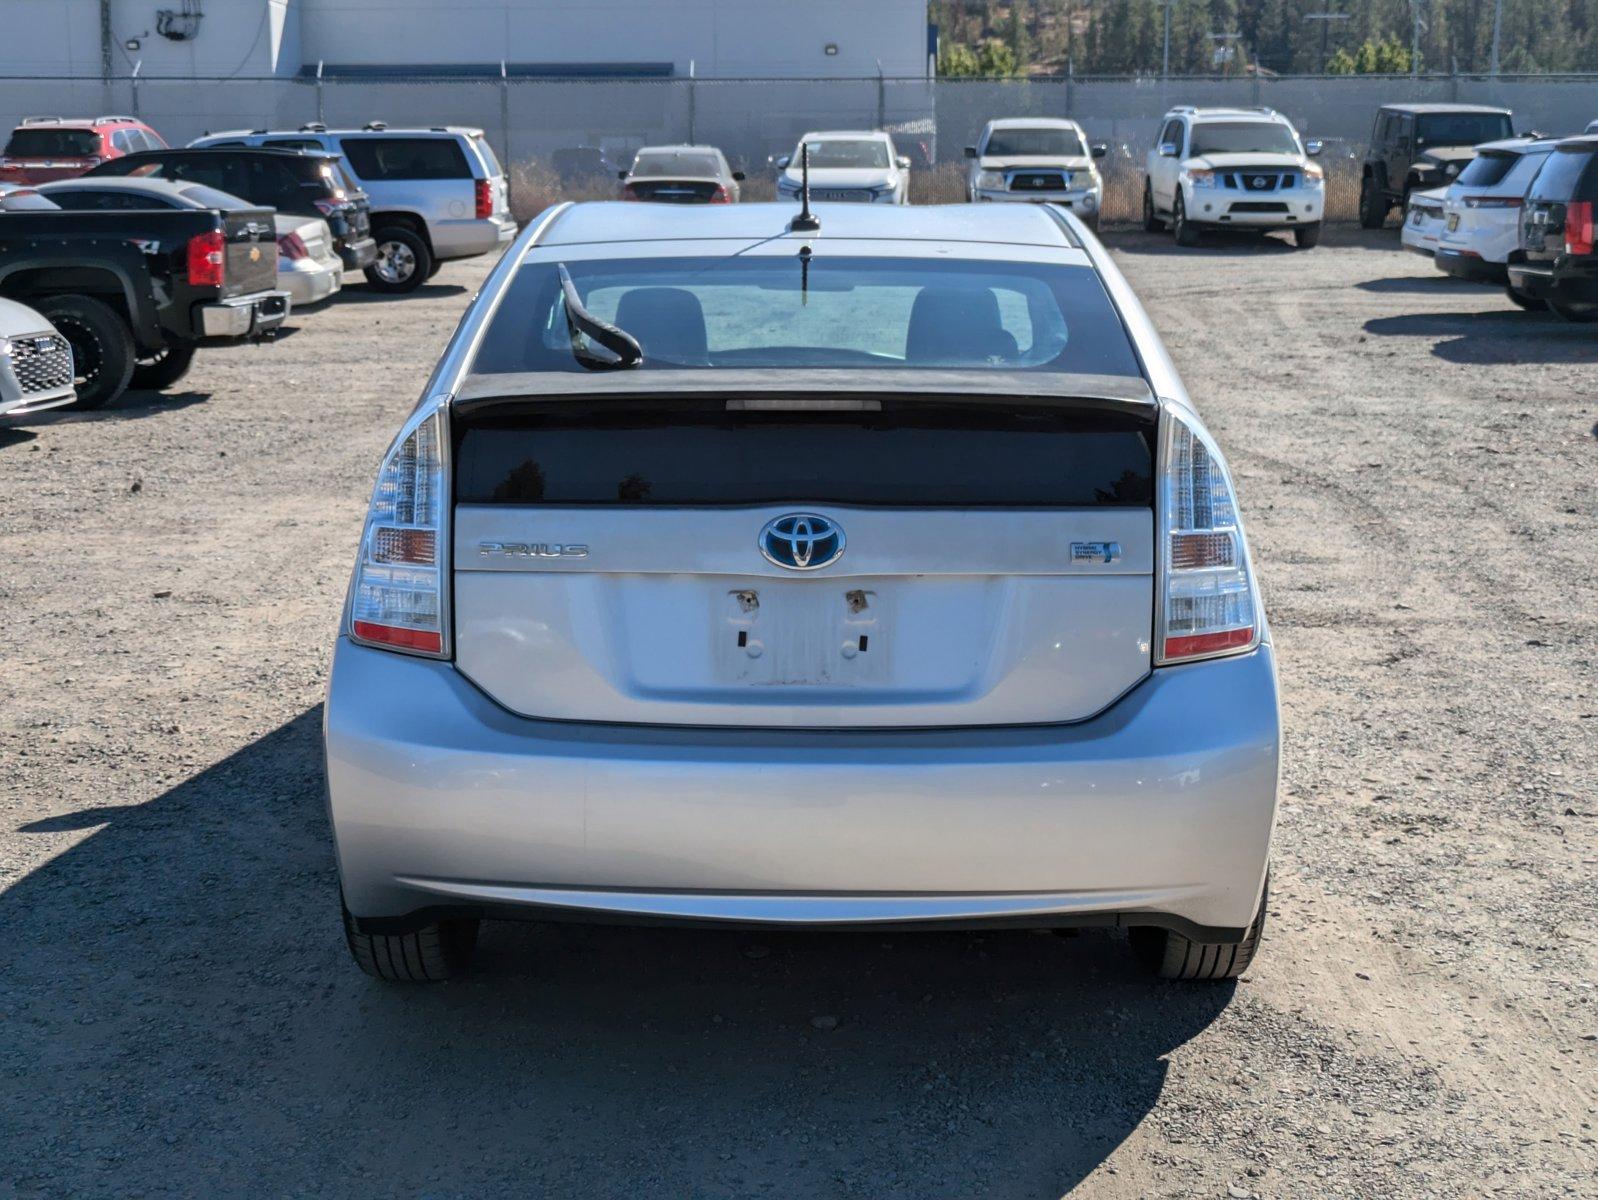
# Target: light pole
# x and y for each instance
(1165, 69)
(1326, 19)
(1498, 29)
(1414, 41)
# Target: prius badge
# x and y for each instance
(802, 541)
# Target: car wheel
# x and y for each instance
(1307, 236)
(1151, 220)
(1187, 233)
(437, 951)
(403, 260)
(1372, 208)
(438, 265)
(1576, 314)
(1529, 303)
(163, 368)
(102, 347)
(1170, 955)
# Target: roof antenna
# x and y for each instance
(806, 221)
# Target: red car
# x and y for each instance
(46, 148)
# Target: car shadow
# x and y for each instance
(1502, 336)
(131, 405)
(1429, 285)
(360, 293)
(15, 435)
(1219, 244)
(182, 1015)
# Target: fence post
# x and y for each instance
(133, 81)
(504, 128)
(882, 97)
(692, 100)
(1070, 85)
(320, 119)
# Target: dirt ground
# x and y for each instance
(1417, 462)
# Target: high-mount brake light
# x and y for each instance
(207, 259)
(1578, 227)
(484, 191)
(1208, 603)
(398, 598)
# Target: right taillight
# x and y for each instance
(398, 596)
(292, 247)
(721, 195)
(1207, 604)
(483, 194)
(207, 253)
(1578, 227)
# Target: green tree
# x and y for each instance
(1387, 56)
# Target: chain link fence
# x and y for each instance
(527, 120)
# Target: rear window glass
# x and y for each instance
(487, 152)
(52, 143)
(905, 454)
(211, 198)
(1461, 129)
(406, 158)
(1487, 169)
(666, 162)
(1046, 143)
(840, 311)
(1561, 176)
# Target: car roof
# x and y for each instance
(680, 148)
(1032, 123)
(875, 135)
(1228, 114)
(1445, 108)
(120, 183)
(1580, 142)
(1516, 145)
(75, 122)
(616, 221)
(276, 151)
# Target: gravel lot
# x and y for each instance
(1417, 461)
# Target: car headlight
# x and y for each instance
(990, 181)
(1199, 177)
(1314, 175)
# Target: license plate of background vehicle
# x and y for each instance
(1453, 222)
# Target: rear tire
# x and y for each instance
(1187, 233)
(102, 346)
(1170, 955)
(163, 368)
(1372, 207)
(1307, 237)
(1529, 303)
(1576, 314)
(1151, 219)
(437, 951)
(403, 261)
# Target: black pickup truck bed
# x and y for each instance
(136, 292)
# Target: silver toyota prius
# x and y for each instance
(867, 571)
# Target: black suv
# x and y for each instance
(1422, 146)
(297, 182)
(1556, 262)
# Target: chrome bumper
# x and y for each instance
(256, 315)
(1157, 811)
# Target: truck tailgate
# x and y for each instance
(251, 253)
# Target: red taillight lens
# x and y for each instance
(1208, 604)
(1578, 227)
(485, 198)
(207, 255)
(720, 195)
(292, 246)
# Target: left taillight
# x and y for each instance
(398, 596)
(485, 198)
(1208, 603)
(207, 256)
(721, 195)
(292, 247)
(1578, 227)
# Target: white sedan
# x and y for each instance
(308, 267)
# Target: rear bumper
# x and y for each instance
(1542, 281)
(311, 282)
(1469, 266)
(256, 315)
(463, 239)
(1159, 811)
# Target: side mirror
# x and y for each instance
(621, 174)
(738, 176)
(1169, 150)
(904, 162)
(1099, 149)
(970, 151)
(1313, 147)
(781, 161)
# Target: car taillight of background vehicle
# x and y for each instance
(292, 247)
(207, 256)
(1578, 227)
(399, 577)
(485, 198)
(1208, 606)
(721, 195)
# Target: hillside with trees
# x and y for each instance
(1126, 37)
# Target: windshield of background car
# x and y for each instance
(845, 152)
(670, 163)
(1461, 129)
(1561, 176)
(1040, 143)
(52, 143)
(844, 311)
(1242, 137)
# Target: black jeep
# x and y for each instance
(1422, 146)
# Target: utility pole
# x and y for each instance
(1165, 69)
(106, 61)
(1326, 19)
(1498, 30)
(1414, 41)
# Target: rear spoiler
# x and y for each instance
(1044, 389)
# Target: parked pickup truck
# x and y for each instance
(136, 292)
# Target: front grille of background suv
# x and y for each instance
(1038, 181)
(41, 370)
(1273, 179)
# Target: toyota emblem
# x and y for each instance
(802, 541)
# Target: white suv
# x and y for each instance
(1035, 159)
(436, 193)
(1233, 168)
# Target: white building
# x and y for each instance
(235, 39)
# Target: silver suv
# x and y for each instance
(736, 570)
(435, 194)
